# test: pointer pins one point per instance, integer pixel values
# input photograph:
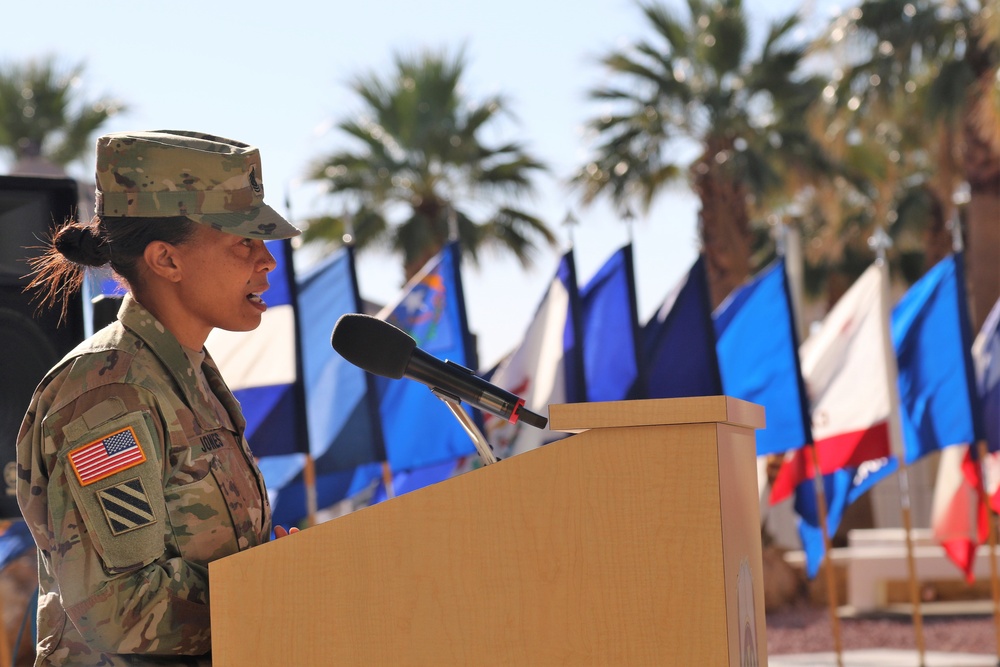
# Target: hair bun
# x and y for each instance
(79, 243)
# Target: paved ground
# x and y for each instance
(883, 658)
(953, 636)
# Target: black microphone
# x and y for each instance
(380, 348)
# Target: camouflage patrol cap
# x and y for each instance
(164, 173)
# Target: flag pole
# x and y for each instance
(904, 491)
(828, 575)
(880, 241)
(991, 531)
(957, 247)
(5, 655)
(629, 217)
(309, 480)
(390, 491)
(301, 417)
(782, 243)
(348, 240)
(569, 222)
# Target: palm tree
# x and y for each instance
(424, 173)
(43, 118)
(952, 49)
(885, 173)
(695, 86)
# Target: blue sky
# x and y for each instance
(275, 75)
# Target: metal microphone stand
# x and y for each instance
(482, 446)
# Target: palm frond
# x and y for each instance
(422, 152)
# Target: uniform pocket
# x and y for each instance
(199, 516)
(238, 480)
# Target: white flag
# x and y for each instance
(535, 371)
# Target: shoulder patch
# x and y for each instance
(126, 506)
(106, 456)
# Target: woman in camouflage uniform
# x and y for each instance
(133, 472)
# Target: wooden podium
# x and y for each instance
(634, 542)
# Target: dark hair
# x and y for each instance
(59, 271)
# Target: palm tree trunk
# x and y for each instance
(937, 237)
(725, 232)
(982, 253)
(947, 176)
(982, 169)
(412, 267)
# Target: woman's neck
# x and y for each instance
(169, 312)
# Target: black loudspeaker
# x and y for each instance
(31, 340)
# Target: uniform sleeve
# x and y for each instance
(121, 582)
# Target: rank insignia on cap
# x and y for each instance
(126, 506)
(102, 458)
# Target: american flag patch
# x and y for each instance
(107, 456)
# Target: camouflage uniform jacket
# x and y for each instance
(132, 480)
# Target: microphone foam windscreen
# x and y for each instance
(373, 345)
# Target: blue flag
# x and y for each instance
(418, 427)
(932, 339)
(759, 358)
(609, 325)
(102, 282)
(411, 480)
(344, 429)
(14, 541)
(100, 287)
(841, 488)
(679, 342)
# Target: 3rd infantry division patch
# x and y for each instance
(126, 506)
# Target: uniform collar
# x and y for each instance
(168, 350)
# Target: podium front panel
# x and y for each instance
(603, 548)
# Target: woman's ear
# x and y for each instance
(163, 260)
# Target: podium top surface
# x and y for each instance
(574, 417)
